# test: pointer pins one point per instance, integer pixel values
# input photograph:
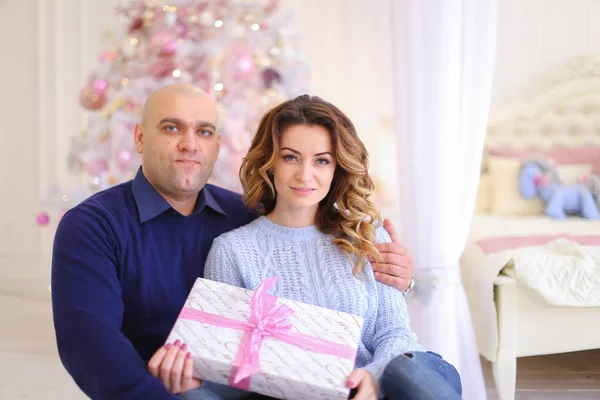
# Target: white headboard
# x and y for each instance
(563, 112)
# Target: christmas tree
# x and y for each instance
(241, 52)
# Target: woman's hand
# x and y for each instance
(173, 365)
(365, 384)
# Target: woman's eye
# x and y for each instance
(322, 161)
(289, 157)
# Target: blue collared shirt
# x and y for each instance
(123, 264)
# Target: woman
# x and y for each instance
(307, 173)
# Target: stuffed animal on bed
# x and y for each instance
(538, 177)
(593, 182)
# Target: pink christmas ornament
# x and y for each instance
(100, 86)
(123, 159)
(162, 67)
(107, 56)
(245, 65)
(130, 106)
(96, 167)
(92, 100)
(182, 30)
(164, 42)
(168, 49)
(43, 219)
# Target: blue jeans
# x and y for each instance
(421, 376)
(214, 391)
(410, 376)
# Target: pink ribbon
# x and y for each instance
(267, 318)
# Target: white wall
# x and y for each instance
(537, 35)
(346, 43)
(19, 156)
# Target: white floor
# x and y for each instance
(30, 368)
(569, 376)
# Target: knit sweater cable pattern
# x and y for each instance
(315, 271)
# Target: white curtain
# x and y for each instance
(443, 65)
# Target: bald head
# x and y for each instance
(179, 142)
(167, 94)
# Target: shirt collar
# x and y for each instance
(151, 204)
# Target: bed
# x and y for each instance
(533, 282)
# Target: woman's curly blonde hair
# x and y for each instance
(346, 211)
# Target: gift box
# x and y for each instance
(258, 342)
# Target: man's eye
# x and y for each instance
(171, 128)
(205, 132)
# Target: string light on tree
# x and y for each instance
(224, 47)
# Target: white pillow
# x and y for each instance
(484, 195)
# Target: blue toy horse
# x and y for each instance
(538, 177)
(593, 182)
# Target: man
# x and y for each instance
(125, 259)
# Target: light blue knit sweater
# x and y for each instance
(315, 271)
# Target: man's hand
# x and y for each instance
(364, 383)
(396, 265)
(173, 365)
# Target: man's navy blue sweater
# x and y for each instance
(123, 264)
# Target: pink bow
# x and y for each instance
(267, 318)
(542, 179)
